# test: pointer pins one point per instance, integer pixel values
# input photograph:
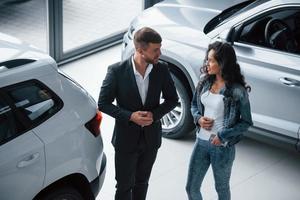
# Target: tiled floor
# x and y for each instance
(260, 171)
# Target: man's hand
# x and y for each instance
(142, 118)
(149, 114)
(206, 122)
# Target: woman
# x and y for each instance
(221, 112)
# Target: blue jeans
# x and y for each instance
(221, 160)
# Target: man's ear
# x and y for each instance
(140, 51)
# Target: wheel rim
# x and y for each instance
(170, 120)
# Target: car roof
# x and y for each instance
(14, 53)
(12, 48)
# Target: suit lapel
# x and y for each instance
(132, 81)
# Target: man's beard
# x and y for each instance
(151, 61)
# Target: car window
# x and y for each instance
(34, 100)
(278, 30)
(9, 125)
(226, 15)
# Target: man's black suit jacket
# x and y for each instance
(120, 85)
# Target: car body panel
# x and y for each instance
(63, 161)
(70, 132)
(22, 167)
(273, 103)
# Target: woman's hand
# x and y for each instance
(216, 141)
(206, 123)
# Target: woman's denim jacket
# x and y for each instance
(237, 114)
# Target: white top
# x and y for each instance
(142, 82)
(214, 108)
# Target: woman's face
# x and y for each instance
(213, 67)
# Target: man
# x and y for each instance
(137, 84)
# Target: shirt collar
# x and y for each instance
(148, 68)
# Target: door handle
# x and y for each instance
(28, 160)
(290, 82)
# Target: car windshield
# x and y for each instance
(231, 12)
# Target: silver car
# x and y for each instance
(266, 37)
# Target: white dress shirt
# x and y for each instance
(142, 82)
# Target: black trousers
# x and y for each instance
(133, 171)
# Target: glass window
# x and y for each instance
(277, 30)
(26, 20)
(37, 102)
(8, 127)
(88, 21)
(225, 15)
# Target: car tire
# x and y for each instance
(65, 193)
(178, 122)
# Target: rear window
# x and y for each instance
(34, 101)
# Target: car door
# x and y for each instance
(273, 72)
(22, 160)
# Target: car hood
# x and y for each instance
(182, 19)
(195, 13)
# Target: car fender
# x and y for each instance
(184, 67)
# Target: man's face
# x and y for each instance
(151, 53)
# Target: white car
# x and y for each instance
(50, 142)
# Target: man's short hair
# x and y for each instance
(144, 36)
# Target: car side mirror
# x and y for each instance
(225, 36)
(229, 35)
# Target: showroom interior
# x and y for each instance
(84, 38)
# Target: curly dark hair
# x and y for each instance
(230, 69)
